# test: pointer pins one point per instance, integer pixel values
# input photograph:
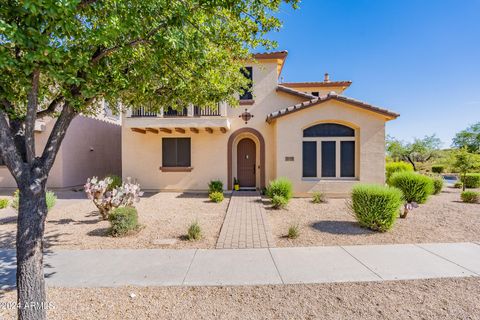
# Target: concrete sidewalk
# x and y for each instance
(111, 268)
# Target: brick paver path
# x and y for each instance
(245, 224)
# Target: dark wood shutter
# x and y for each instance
(347, 158)
(247, 94)
(309, 159)
(176, 152)
(328, 159)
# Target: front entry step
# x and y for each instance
(245, 224)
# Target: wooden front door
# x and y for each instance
(246, 162)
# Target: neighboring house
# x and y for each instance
(91, 147)
(308, 132)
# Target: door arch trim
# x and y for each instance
(231, 139)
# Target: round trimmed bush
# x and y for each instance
(4, 203)
(279, 202)
(458, 185)
(438, 168)
(194, 231)
(470, 196)
(376, 207)
(50, 199)
(392, 167)
(215, 186)
(216, 196)
(471, 180)
(123, 220)
(280, 187)
(437, 185)
(415, 187)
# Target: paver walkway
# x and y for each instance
(245, 224)
(190, 267)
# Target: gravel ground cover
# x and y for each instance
(165, 217)
(444, 218)
(418, 299)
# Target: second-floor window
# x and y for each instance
(247, 94)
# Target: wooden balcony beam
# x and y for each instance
(209, 130)
(194, 130)
(138, 130)
(180, 130)
(165, 130)
(151, 130)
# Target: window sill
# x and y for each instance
(176, 169)
(246, 102)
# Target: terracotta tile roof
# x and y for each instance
(317, 84)
(271, 55)
(295, 92)
(331, 96)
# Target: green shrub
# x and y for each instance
(194, 231)
(50, 199)
(279, 202)
(116, 181)
(319, 197)
(280, 187)
(376, 207)
(215, 186)
(216, 196)
(415, 187)
(470, 196)
(458, 185)
(438, 168)
(472, 180)
(392, 167)
(437, 185)
(3, 203)
(123, 220)
(293, 231)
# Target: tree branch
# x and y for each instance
(56, 137)
(32, 106)
(85, 3)
(8, 150)
(103, 53)
(51, 107)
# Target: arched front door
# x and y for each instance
(246, 162)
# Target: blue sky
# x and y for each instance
(420, 58)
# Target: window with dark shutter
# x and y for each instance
(176, 152)
(347, 159)
(315, 93)
(329, 130)
(247, 93)
(328, 159)
(309, 158)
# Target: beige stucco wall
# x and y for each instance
(370, 146)
(75, 162)
(142, 153)
(92, 147)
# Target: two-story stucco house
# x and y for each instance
(308, 132)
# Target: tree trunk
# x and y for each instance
(30, 229)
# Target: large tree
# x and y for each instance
(420, 150)
(468, 138)
(59, 58)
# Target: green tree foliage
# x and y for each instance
(59, 58)
(468, 138)
(465, 162)
(418, 151)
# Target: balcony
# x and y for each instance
(189, 119)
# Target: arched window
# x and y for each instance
(329, 151)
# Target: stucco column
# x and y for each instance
(223, 108)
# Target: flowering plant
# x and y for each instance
(107, 199)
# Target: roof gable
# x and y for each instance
(390, 115)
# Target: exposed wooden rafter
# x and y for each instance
(194, 130)
(165, 130)
(223, 129)
(209, 130)
(139, 130)
(180, 130)
(151, 130)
